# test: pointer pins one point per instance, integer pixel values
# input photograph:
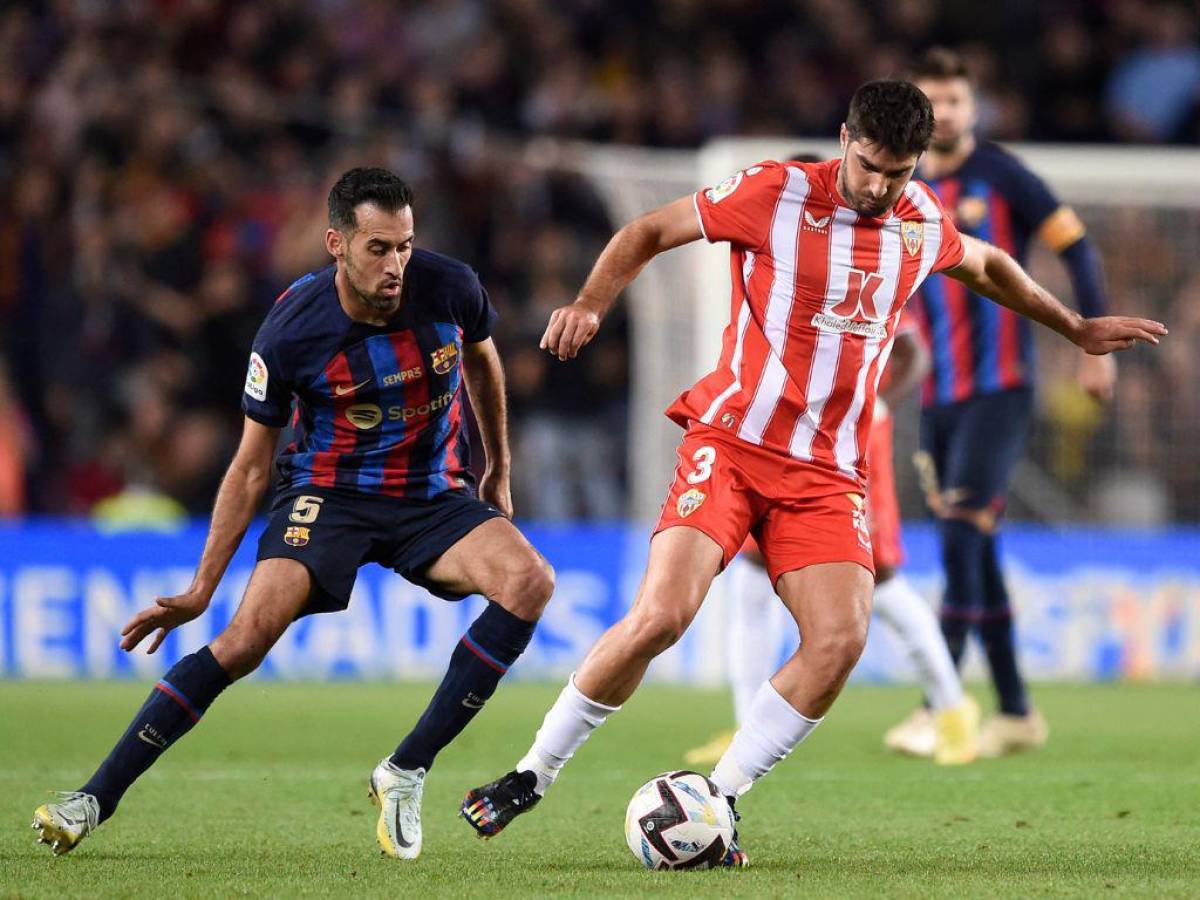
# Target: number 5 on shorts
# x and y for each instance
(306, 509)
(704, 459)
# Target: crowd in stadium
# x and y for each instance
(163, 170)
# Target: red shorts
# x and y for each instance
(801, 514)
(883, 507)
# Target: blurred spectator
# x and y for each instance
(16, 446)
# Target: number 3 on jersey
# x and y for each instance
(704, 459)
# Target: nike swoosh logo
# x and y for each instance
(469, 705)
(400, 838)
(151, 741)
(341, 390)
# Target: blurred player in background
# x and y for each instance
(367, 359)
(752, 635)
(824, 256)
(979, 397)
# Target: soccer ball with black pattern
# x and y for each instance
(679, 820)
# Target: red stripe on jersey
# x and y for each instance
(958, 312)
(812, 269)
(416, 393)
(345, 434)
(1009, 358)
(454, 463)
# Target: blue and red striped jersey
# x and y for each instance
(978, 346)
(377, 409)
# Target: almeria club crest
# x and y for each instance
(913, 235)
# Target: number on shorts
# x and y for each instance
(704, 459)
(306, 509)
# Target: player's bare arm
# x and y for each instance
(238, 498)
(485, 384)
(572, 327)
(990, 271)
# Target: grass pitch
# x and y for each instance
(268, 797)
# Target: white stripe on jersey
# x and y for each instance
(735, 364)
(846, 450)
(933, 231)
(785, 235)
(829, 343)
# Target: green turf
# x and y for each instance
(267, 797)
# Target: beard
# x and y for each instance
(375, 300)
(947, 144)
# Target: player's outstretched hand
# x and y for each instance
(166, 614)
(1109, 333)
(570, 328)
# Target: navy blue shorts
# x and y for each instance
(335, 532)
(975, 445)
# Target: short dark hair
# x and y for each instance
(939, 64)
(366, 185)
(893, 114)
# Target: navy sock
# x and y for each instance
(997, 635)
(173, 707)
(962, 559)
(490, 646)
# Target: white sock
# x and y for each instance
(905, 611)
(752, 640)
(570, 722)
(771, 731)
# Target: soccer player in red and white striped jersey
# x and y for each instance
(824, 257)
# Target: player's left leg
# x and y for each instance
(831, 603)
(493, 559)
(753, 643)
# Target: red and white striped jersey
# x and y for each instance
(817, 293)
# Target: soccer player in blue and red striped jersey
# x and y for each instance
(367, 359)
(978, 398)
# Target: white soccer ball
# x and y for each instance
(679, 820)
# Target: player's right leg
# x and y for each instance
(276, 593)
(683, 562)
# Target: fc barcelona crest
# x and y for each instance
(295, 536)
(913, 234)
(444, 358)
(689, 502)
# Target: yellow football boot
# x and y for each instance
(709, 754)
(956, 733)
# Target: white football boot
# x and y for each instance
(916, 735)
(65, 822)
(397, 794)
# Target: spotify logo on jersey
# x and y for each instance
(364, 415)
